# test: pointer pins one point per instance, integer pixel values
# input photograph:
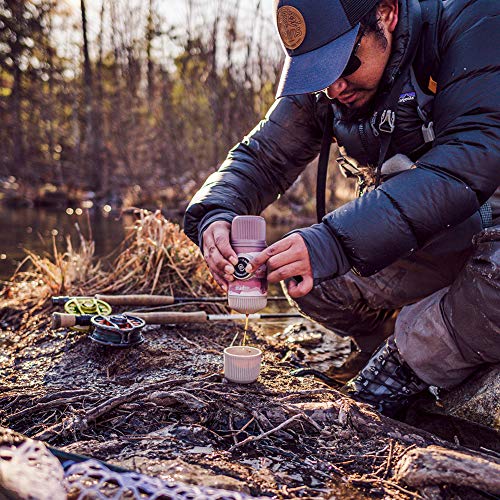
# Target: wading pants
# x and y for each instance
(442, 303)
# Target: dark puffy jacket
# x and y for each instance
(450, 182)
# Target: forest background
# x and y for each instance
(132, 103)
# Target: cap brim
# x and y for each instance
(318, 69)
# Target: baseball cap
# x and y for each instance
(318, 37)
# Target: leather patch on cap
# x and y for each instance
(291, 26)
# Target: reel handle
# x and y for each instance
(63, 320)
(170, 318)
(137, 300)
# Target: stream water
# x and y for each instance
(35, 229)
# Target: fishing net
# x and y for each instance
(28, 470)
(91, 479)
(23, 459)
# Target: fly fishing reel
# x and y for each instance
(86, 305)
(118, 330)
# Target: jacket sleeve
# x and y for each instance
(261, 167)
(452, 180)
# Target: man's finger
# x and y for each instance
(274, 249)
(220, 281)
(296, 290)
(282, 259)
(221, 240)
(216, 261)
(288, 271)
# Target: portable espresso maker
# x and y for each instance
(247, 294)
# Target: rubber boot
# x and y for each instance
(387, 383)
(353, 364)
(362, 348)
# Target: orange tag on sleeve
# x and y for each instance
(432, 86)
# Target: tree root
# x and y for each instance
(435, 465)
(265, 434)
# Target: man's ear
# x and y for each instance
(388, 11)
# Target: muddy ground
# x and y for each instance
(165, 409)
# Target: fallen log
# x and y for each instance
(434, 466)
(477, 399)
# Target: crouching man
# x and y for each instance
(410, 92)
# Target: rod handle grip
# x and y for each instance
(59, 301)
(137, 300)
(63, 320)
(170, 318)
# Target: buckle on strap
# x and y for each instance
(428, 132)
(348, 169)
(387, 121)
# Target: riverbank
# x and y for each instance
(164, 408)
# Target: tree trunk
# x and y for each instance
(149, 45)
(19, 151)
(58, 178)
(90, 116)
(101, 132)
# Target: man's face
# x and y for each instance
(356, 90)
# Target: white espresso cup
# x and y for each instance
(242, 364)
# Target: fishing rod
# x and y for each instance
(143, 299)
(62, 320)
(125, 330)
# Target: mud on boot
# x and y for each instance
(353, 364)
(386, 382)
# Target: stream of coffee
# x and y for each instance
(245, 332)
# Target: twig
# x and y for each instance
(265, 434)
(491, 452)
(191, 342)
(385, 482)
(389, 459)
(231, 428)
(176, 269)
(306, 417)
(234, 339)
(41, 407)
(309, 393)
(403, 490)
(157, 275)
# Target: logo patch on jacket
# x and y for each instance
(406, 96)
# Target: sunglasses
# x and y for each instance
(354, 62)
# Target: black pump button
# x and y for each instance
(239, 270)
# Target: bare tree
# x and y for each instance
(150, 33)
(19, 158)
(92, 133)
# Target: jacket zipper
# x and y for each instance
(364, 139)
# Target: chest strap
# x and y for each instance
(324, 155)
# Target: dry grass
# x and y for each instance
(155, 257)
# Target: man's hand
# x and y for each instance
(287, 258)
(218, 253)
